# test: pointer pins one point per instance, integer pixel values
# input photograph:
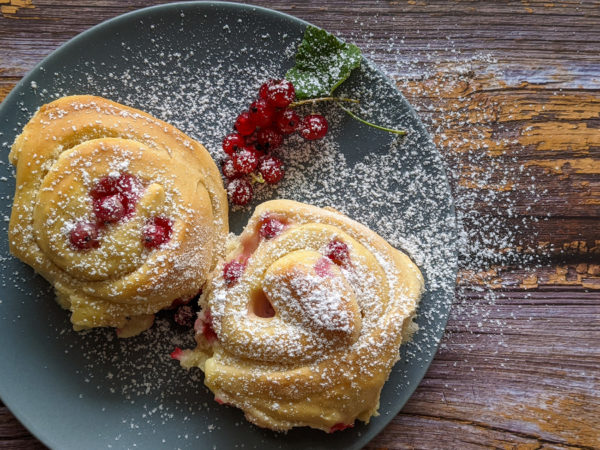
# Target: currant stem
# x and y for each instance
(257, 178)
(379, 127)
(322, 99)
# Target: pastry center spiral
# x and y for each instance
(66, 199)
(307, 289)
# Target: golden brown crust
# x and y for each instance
(68, 146)
(324, 356)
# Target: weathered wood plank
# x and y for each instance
(13, 435)
(407, 433)
(580, 275)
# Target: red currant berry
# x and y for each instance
(313, 126)
(338, 252)
(157, 231)
(126, 186)
(84, 236)
(271, 227)
(261, 113)
(287, 121)
(259, 153)
(280, 94)
(240, 191)
(251, 139)
(232, 271)
(263, 92)
(229, 170)
(232, 143)
(253, 145)
(271, 169)
(253, 148)
(269, 139)
(104, 187)
(122, 184)
(109, 209)
(244, 125)
(184, 316)
(245, 161)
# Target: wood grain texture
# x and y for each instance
(511, 93)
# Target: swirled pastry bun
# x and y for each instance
(302, 322)
(120, 211)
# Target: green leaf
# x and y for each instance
(323, 62)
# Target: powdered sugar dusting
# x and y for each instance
(322, 302)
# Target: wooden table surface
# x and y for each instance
(511, 93)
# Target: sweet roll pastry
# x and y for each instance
(302, 322)
(120, 211)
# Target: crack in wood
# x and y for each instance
(486, 426)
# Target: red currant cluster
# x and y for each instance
(259, 131)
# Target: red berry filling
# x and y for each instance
(207, 327)
(177, 353)
(84, 236)
(240, 191)
(271, 227)
(104, 187)
(156, 232)
(251, 139)
(271, 169)
(232, 271)
(340, 426)
(313, 126)
(323, 267)
(338, 252)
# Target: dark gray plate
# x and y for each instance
(197, 65)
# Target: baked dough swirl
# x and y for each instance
(85, 161)
(302, 323)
